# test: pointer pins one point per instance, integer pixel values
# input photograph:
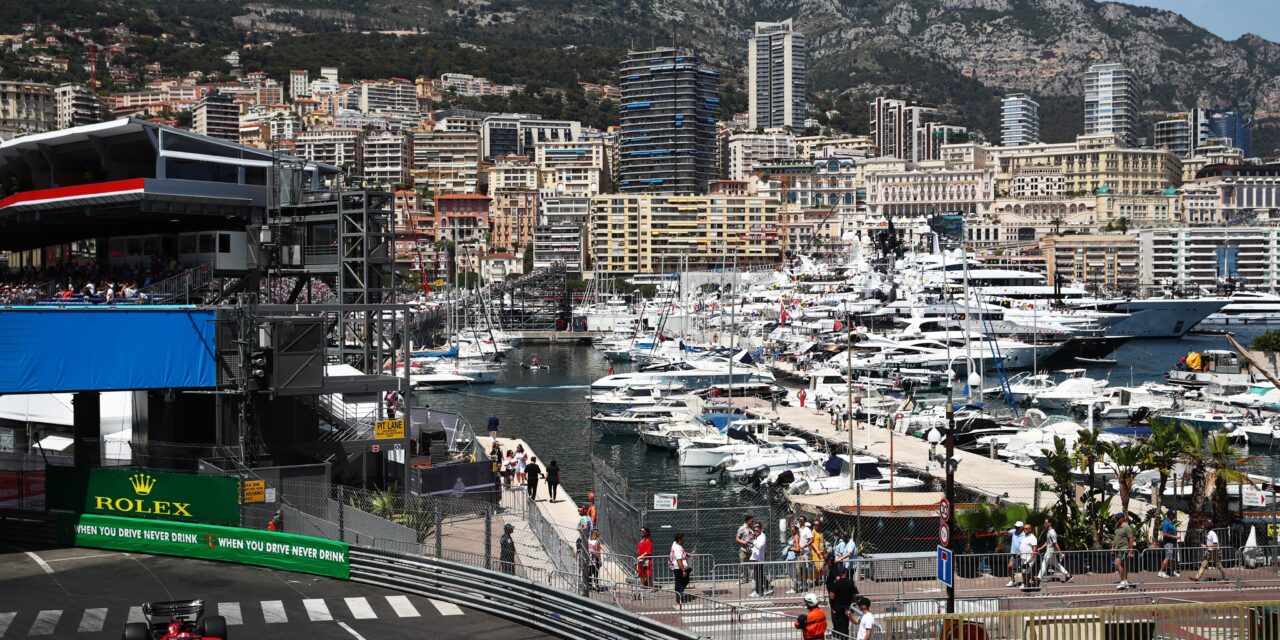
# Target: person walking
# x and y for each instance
(1028, 552)
(813, 622)
(1211, 556)
(805, 566)
(1051, 551)
(553, 480)
(584, 523)
(1169, 539)
(507, 553)
(840, 595)
(532, 472)
(591, 507)
(509, 468)
(759, 548)
(743, 540)
(522, 460)
(866, 621)
(1015, 559)
(644, 559)
(801, 395)
(679, 563)
(1122, 544)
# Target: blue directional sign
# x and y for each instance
(946, 566)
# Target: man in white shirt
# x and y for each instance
(867, 622)
(1028, 552)
(758, 550)
(679, 561)
(1211, 556)
(805, 568)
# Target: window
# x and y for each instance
(224, 243)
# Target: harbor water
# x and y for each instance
(550, 410)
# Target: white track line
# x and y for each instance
(350, 630)
(93, 620)
(273, 611)
(40, 561)
(317, 610)
(45, 622)
(447, 608)
(403, 607)
(360, 609)
(230, 611)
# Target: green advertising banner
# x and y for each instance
(286, 551)
(134, 493)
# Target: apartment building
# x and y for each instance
(561, 230)
(578, 167)
(299, 84)
(446, 161)
(76, 105)
(217, 115)
(386, 157)
(1204, 256)
(1111, 102)
(512, 218)
(776, 77)
(337, 147)
(833, 185)
(745, 152)
(893, 127)
(26, 107)
(518, 134)
(462, 219)
(635, 233)
(1101, 262)
(1019, 120)
(1233, 194)
(395, 94)
(670, 109)
(509, 173)
(901, 189)
(1094, 162)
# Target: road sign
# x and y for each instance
(255, 491)
(665, 501)
(944, 535)
(388, 429)
(397, 446)
(1252, 496)
(375, 448)
(946, 569)
(944, 509)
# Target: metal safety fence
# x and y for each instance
(1201, 621)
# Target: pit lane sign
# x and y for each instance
(255, 491)
(388, 429)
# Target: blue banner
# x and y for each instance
(106, 349)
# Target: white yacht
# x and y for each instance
(1075, 387)
(634, 420)
(833, 475)
(1248, 307)
(686, 374)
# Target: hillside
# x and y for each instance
(962, 53)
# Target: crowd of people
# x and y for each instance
(83, 282)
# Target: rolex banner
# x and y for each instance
(286, 551)
(134, 493)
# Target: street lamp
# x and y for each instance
(949, 463)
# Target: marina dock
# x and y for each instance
(992, 478)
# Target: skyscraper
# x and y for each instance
(894, 124)
(1111, 102)
(1019, 121)
(669, 114)
(776, 76)
(1234, 125)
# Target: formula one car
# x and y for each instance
(177, 620)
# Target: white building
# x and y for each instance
(329, 73)
(561, 231)
(217, 115)
(747, 150)
(510, 173)
(518, 133)
(1204, 256)
(388, 95)
(1019, 120)
(776, 76)
(337, 147)
(1111, 102)
(903, 190)
(76, 105)
(299, 84)
(386, 156)
(573, 168)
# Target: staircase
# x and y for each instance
(188, 287)
(349, 421)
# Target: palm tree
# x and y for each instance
(1163, 451)
(1223, 461)
(1087, 451)
(973, 521)
(1193, 455)
(1127, 460)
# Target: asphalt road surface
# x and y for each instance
(90, 594)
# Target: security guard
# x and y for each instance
(813, 623)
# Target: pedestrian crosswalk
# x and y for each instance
(61, 623)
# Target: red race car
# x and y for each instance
(177, 620)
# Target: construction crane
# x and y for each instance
(91, 48)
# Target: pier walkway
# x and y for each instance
(976, 473)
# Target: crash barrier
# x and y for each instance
(1202, 621)
(272, 549)
(527, 602)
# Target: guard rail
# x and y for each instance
(557, 612)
